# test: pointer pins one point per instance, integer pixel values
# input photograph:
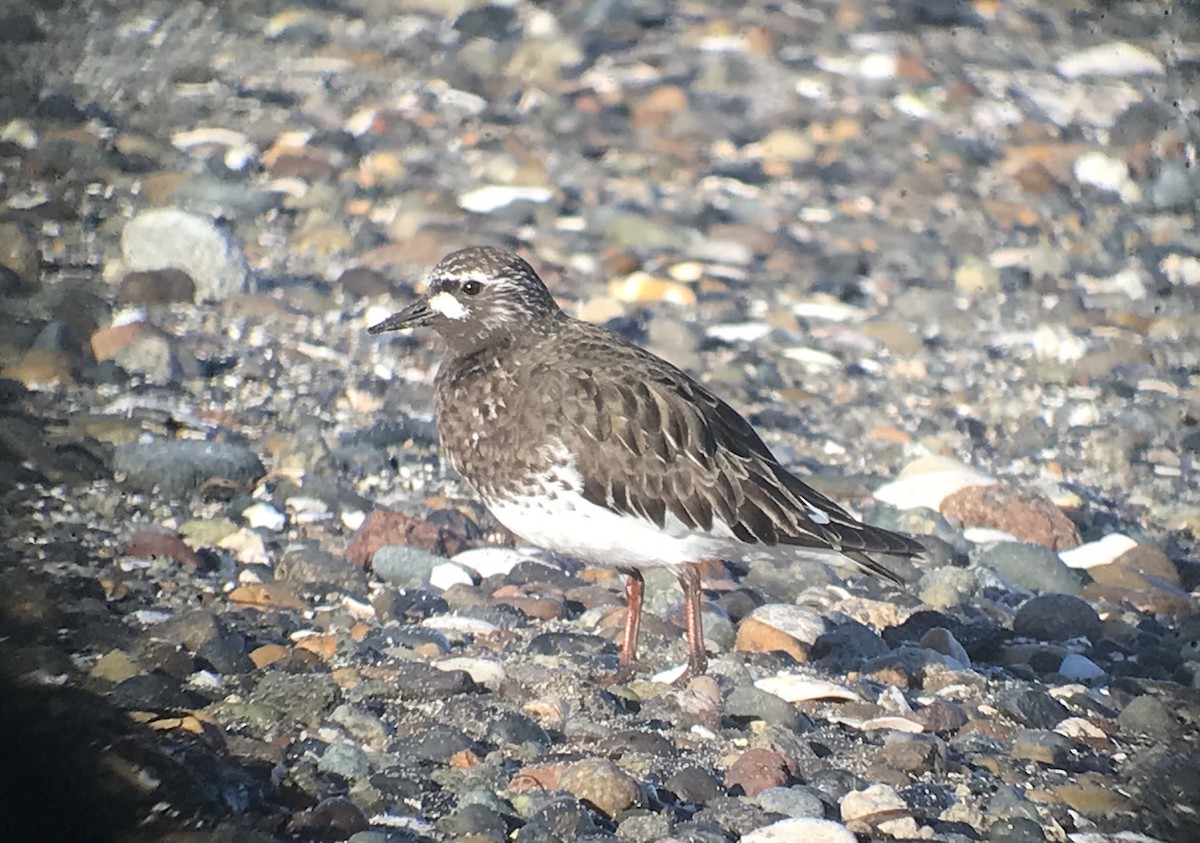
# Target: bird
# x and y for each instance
(580, 442)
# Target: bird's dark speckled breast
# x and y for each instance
(499, 420)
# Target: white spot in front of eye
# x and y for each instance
(445, 304)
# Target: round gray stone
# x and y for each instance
(1030, 566)
(1056, 617)
(168, 238)
(176, 467)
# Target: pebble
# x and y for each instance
(795, 801)
(404, 566)
(1103, 551)
(1116, 58)
(806, 829)
(929, 481)
(798, 688)
(867, 808)
(602, 783)
(1056, 617)
(1080, 668)
(1100, 170)
(749, 703)
(178, 467)
(493, 197)
(1147, 715)
(1029, 566)
(169, 238)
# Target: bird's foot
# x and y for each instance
(624, 673)
(696, 665)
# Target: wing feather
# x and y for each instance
(663, 445)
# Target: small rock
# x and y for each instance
(404, 566)
(1117, 58)
(865, 810)
(115, 666)
(156, 286)
(1030, 566)
(1147, 715)
(928, 481)
(1108, 173)
(976, 278)
(19, 253)
(1056, 617)
(693, 785)
(756, 770)
(746, 702)
(1080, 668)
(345, 760)
(1043, 746)
(914, 754)
(941, 640)
(168, 238)
(601, 783)
(806, 830)
(177, 467)
(1142, 566)
(386, 527)
(1031, 707)
(140, 349)
(796, 801)
(643, 287)
(1026, 515)
(493, 197)
(1101, 552)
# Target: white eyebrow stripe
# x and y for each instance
(447, 305)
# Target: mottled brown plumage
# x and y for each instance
(584, 443)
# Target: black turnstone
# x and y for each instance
(582, 443)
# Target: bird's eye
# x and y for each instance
(472, 288)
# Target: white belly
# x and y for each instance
(571, 525)
(554, 515)
(575, 527)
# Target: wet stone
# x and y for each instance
(601, 783)
(437, 743)
(573, 644)
(1030, 566)
(345, 760)
(512, 727)
(1056, 617)
(794, 801)
(167, 238)
(154, 691)
(160, 286)
(176, 468)
(1147, 715)
(404, 566)
(1042, 746)
(746, 703)
(693, 785)
(416, 681)
(1031, 707)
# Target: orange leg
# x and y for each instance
(689, 581)
(635, 591)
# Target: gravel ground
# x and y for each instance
(943, 254)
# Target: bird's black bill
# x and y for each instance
(415, 315)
